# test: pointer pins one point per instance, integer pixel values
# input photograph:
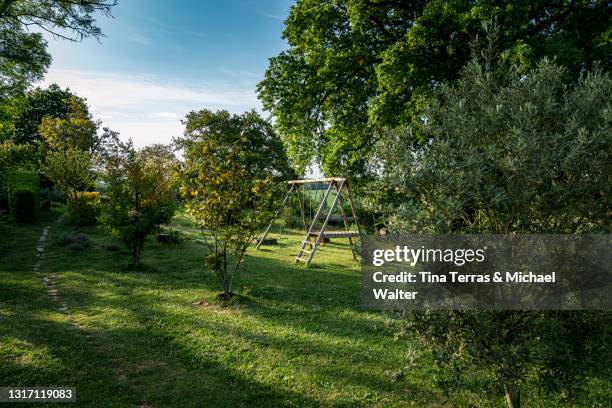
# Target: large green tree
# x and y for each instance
(354, 66)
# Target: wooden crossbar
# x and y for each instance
(313, 181)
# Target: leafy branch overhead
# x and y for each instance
(23, 51)
(72, 20)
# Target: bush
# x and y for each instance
(76, 242)
(170, 236)
(84, 209)
(23, 205)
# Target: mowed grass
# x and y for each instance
(295, 337)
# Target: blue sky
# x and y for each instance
(161, 59)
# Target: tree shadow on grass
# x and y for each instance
(120, 366)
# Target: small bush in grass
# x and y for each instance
(23, 204)
(170, 236)
(75, 241)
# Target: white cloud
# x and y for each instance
(164, 115)
(146, 108)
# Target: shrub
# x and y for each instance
(84, 209)
(23, 205)
(140, 194)
(170, 236)
(76, 242)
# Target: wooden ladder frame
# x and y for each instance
(340, 184)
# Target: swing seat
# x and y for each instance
(340, 218)
(266, 241)
(336, 234)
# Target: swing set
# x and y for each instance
(320, 222)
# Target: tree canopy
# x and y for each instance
(76, 129)
(37, 104)
(23, 54)
(355, 66)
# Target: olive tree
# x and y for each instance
(508, 151)
(230, 181)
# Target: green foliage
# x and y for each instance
(230, 179)
(508, 151)
(9, 109)
(52, 195)
(70, 170)
(354, 67)
(23, 187)
(23, 54)
(53, 102)
(12, 157)
(75, 241)
(140, 194)
(59, 17)
(77, 129)
(16, 156)
(84, 209)
(23, 205)
(23, 58)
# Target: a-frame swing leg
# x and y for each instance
(302, 209)
(275, 216)
(346, 223)
(310, 231)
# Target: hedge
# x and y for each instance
(24, 205)
(23, 194)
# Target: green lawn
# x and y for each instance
(296, 338)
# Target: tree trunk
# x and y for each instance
(136, 255)
(513, 395)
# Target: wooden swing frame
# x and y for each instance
(340, 185)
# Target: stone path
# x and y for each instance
(48, 283)
(91, 338)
